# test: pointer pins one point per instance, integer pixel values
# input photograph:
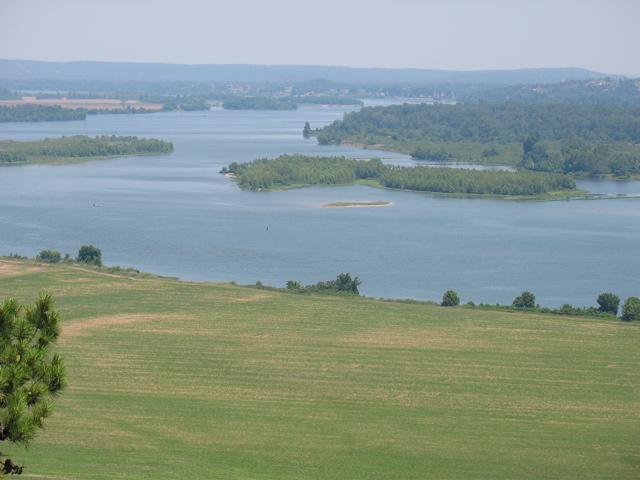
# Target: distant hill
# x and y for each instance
(165, 72)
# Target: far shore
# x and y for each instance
(88, 103)
(355, 204)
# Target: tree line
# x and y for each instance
(510, 121)
(603, 91)
(259, 103)
(343, 284)
(82, 146)
(477, 182)
(39, 113)
(297, 169)
(609, 303)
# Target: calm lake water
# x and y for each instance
(175, 215)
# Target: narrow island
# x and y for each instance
(293, 171)
(79, 148)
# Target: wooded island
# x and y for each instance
(300, 170)
(79, 148)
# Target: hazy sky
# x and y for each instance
(600, 35)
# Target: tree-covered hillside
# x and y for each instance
(483, 122)
(550, 137)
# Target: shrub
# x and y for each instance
(49, 256)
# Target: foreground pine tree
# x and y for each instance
(31, 375)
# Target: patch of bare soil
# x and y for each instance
(85, 326)
(10, 269)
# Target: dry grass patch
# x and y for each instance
(86, 326)
(9, 269)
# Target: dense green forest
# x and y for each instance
(297, 169)
(478, 182)
(81, 146)
(485, 122)
(39, 113)
(259, 103)
(559, 138)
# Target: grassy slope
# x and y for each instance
(181, 380)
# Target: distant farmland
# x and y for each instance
(89, 104)
(180, 380)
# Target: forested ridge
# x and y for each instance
(297, 169)
(81, 146)
(509, 121)
(558, 138)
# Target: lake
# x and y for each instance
(175, 215)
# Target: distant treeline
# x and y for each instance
(603, 91)
(118, 111)
(259, 103)
(297, 169)
(326, 100)
(81, 146)
(39, 113)
(286, 103)
(7, 94)
(484, 122)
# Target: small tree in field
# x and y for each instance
(90, 254)
(30, 374)
(631, 310)
(525, 300)
(608, 303)
(450, 299)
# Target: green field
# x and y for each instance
(171, 379)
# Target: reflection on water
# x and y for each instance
(176, 215)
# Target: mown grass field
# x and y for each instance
(179, 380)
